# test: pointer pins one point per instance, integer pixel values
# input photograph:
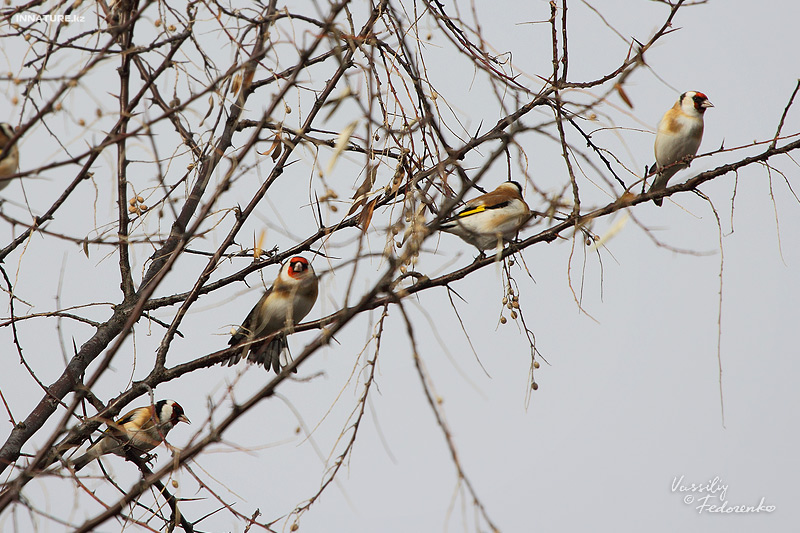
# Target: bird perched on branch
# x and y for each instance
(286, 303)
(137, 432)
(9, 156)
(490, 219)
(679, 134)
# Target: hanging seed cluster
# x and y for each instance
(411, 224)
(511, 303)
(136, 206)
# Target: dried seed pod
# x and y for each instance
(236, 83)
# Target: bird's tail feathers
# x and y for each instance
(234, 358)
(272, 355)
(57, 454)
(658, 186)
(241, 335)
(83, 460)
(660, 183)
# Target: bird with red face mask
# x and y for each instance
(679, 134)
(286, 303)
(137, 432)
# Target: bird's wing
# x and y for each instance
(481, 204)
(140, 418)
(250, 322)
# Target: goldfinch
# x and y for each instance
(490, 218)
(138, 431)
(286, 303)
(9, 158)
(679, 134)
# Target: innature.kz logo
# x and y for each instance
(22, 18)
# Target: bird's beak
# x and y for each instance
(183, 418)
(706, 103)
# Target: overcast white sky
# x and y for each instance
(630, 400)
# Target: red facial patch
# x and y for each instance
(177, 411)
(297, 265)
(699, 100)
